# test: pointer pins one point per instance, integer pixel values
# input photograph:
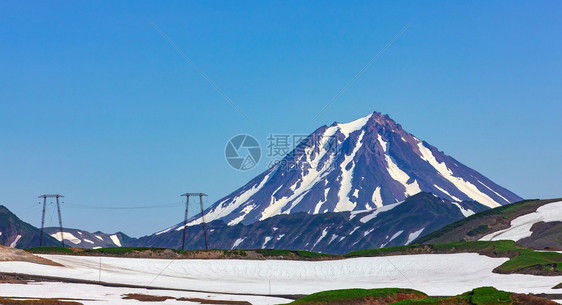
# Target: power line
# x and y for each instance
(99, 207)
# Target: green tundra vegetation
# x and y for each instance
(398, 296)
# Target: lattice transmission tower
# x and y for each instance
(200, 195)
(57, 196)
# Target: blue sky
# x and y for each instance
(96, 105)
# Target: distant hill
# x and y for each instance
(532, 223)
(76, 238)
(16, 233)
(335, 233)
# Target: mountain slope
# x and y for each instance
(531, 223)
(16, 233)
(368, 163)
(336, 233)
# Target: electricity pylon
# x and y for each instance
(57, 196)
(187, 195)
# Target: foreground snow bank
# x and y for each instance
(434, 274)
(100, 295)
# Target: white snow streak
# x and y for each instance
(344, 204)
(502, 197)
(466, 187)
(397, 174)
(67, 236)
(266, 240)
(374, 213)
(15, 242)
(324, 232)
(376, 198)
(414, 235)
(464, 212)
(245, 211)
(115, 240)
(238, 242)
(446, 193)
(348, 128)
(222, 209)
(392, 238)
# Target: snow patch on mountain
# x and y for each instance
(67, 237)
(464, 186)
(15, 242)
(521, 226)
(344, 202)
(372, 214)
(414, 235)
(464, 211)
(115, 240)
(376, 198)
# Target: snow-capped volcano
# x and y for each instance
(355, 166)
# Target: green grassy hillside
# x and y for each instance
(397, 296)
(472, 228)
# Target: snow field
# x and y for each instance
(434, 274)
(101, 295)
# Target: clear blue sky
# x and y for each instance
(96, 105)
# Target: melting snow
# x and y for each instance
(344, 204)
(15, 242)
(397, 174)
(164, 231)
(374, 213)
(521, 226)
(466, 187)
(89, 294)
(434, 274)
(324, 232)
(446, 193)
(464, 212)
(414, 235)
(321, 202)
(502, 197)
(392, 238)
(228, 206)
(312, 176)
(115, 240)
(376, 198)
(238, 242)
(348, 128)
(67, 236)
(352, 231)
(368, 232)
(267, 239)
(245, 211)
